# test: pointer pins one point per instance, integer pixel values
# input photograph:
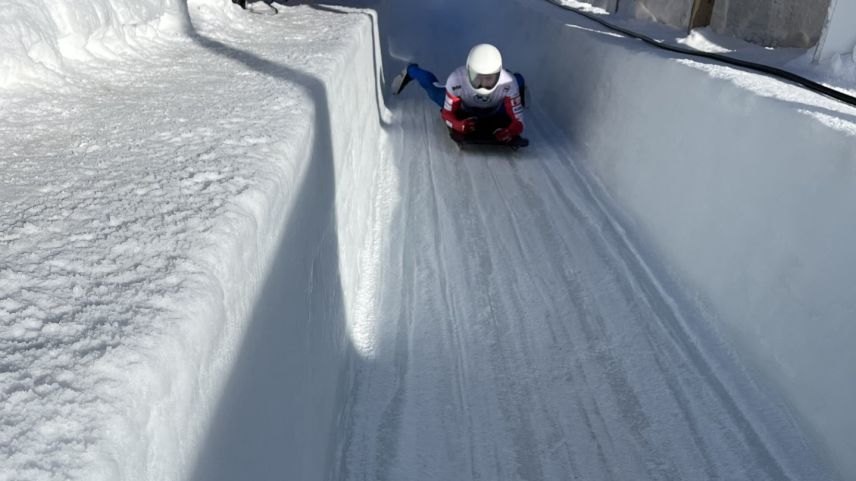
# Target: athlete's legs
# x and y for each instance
(427, 80)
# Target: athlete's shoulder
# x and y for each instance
(507, 84)
(507, 80)
(455, 82)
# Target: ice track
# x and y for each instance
(231, 261)
(519, 337)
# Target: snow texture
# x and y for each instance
(142, 211)
(594, 6)
(40, 37)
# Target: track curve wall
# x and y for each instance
(739, 183)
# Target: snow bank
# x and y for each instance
(175, 269)
(744, 185)
(281, 411)
(39, 38)
(836, 71)
(596, 6)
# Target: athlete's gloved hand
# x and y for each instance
(504, 135)
(450, 114)
(463, 126)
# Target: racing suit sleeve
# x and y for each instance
(514, 110)
(451, 115)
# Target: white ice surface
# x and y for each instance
(737, 184)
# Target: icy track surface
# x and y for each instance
(513, 332)
(519, 338)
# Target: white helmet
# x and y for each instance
(484, 65)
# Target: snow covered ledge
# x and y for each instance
(174, 279)
(280, 408)
(280, 411)
(745, 187)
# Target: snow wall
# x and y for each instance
(748, 199)
(608, 5)
(40, 37)
(318, 236)
(772, 23)
(250, 380)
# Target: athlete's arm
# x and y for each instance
(514, 109)
(452, 113)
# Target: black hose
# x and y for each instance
(766, 69)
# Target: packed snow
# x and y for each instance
(141, 210)
(41, 37)
(227, 254)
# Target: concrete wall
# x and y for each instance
(675, 13)
(773, 23)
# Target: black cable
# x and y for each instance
(766, 69)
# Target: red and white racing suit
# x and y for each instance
(501, 111)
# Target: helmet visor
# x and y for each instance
(483, 81)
